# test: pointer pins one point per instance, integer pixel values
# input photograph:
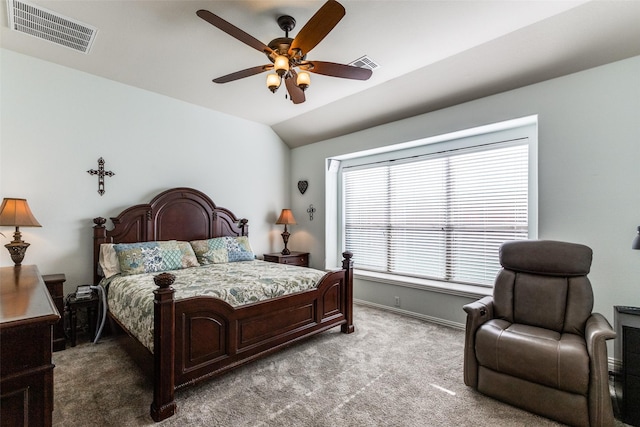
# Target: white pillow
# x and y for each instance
(109, 260)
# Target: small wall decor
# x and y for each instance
(302, 186)
(101, 174)
(311, 211)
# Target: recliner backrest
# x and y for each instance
(544, 283)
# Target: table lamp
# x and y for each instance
(286, 218)
(16, 213)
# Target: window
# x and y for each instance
(440, 212)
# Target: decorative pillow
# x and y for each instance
(223, 249)
(188, 256)
(150, 257)
(108, 260)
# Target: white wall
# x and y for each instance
(56, 123)
(589, 148)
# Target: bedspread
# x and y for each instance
(130, 298)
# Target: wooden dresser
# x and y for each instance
(27, 314)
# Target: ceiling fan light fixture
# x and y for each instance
(281, 65)
(288, 55)
(273, 82)
(304, 80)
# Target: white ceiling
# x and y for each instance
(432, 54)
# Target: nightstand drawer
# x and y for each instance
(301, 260)
(294, 258)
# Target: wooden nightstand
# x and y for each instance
(55, 284)
(294, 258)
(91, 305)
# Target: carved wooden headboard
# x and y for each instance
(178, 214)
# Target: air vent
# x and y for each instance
(47, 25)
(365, 62)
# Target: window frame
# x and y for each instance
(476, 137)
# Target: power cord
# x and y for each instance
(101, 319)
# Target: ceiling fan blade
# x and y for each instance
(296, 94)
(337, 70)
(317, 27)
(243, 73)
(233, 31)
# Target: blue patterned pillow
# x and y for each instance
(223, 249)
(150, 257)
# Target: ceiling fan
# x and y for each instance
(287, 54)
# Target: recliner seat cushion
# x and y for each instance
(542, 356)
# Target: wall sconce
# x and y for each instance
(286, 218)
(16, 213)
(636, 241)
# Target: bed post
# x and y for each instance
(99, 237)
(347, 265)
(163, 405)
(244, 226)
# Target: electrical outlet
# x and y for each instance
(397, 301)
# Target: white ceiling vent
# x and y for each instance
(365, 62)
(47, 25)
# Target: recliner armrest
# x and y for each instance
(478, 312)
(597, 331)
(597, 327)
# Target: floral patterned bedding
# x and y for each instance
(130, 298)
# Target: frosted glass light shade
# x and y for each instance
(281, 65)
(273, 82)
(304, 80)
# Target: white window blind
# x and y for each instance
(441, 216)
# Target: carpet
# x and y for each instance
(393, 371)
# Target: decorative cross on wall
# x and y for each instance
(311, 211)
(101, 174)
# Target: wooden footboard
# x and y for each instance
(201, 337)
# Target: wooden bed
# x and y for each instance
(201, 337)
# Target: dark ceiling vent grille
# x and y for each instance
(47, 25)
(365, 62)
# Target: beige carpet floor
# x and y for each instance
(393, 371)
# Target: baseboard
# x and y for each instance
(420, 316)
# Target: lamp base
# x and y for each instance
(285, 239)
(17, 250)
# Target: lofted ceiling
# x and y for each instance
(431, 54)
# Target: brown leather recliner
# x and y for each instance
(535, 344)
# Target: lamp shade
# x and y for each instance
(286, 217)
(16, 212)
(636, 241)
